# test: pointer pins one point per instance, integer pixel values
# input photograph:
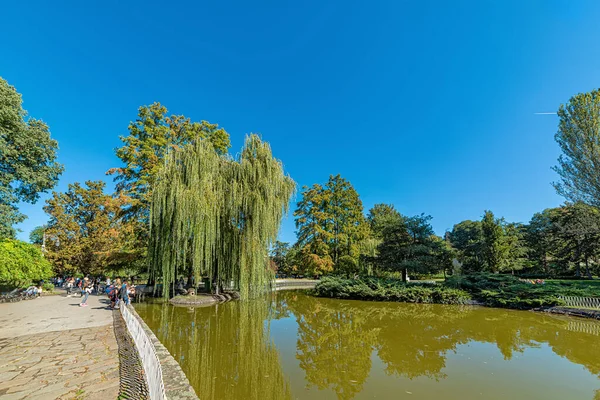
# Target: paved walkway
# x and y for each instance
(50, 348)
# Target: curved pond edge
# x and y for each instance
(205, 299)
(177, 385)
(571, 312)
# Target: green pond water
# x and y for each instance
(290, 345)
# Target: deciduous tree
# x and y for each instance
(86, 233)
(28, 163)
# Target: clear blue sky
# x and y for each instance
(426, 105)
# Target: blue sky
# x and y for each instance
(426, 105)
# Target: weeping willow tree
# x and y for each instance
(216, 216)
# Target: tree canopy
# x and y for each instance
(28, 163)
(151, 136)
(217, 216)
(579, 139)
(86, 233)
(331, 225)
(22, 263)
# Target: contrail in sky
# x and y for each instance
(545, 113)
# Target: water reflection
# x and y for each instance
(224, 350)
(335, 338)
(227, 351)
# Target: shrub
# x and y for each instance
(22, 263)
(385, 289)
(48, 287)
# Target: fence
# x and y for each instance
(592, 328)
(281, 284)
(581, 302)
(145, 348)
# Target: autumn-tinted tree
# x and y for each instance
(579, 139)
(28, 164)
(86, 233)
(330, 224)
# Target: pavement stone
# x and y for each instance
(50, 348)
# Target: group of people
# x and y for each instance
(119, 291)
(116, 291)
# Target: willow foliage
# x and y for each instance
(216, 216)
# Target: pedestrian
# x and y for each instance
(86, 289)
(113, 296)
(123, 293)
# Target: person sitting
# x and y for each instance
(31, 291)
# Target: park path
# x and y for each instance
(50, 348)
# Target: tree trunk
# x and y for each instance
(587, 269)
(404, 275)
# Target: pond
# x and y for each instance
(290, 345)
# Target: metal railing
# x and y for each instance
(294, 284)
(581, 302)
(147, 353)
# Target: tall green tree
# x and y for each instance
(381, 216)
(36, 236)
(578, 228)
(279, 256)
(494, 250)
(409, 246)
(541, 236)
(28, 163)
(330, 224)
(467, 237)
(151, 136)
(579, 139)
(516, 244)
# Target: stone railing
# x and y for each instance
(147, 353)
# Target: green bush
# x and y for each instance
(385, 289)
(22, 263)
(495, 290)
(48, 287)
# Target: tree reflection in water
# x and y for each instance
(225, 350)
(227, 353)
(336, 338)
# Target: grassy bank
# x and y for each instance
(492, 290)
